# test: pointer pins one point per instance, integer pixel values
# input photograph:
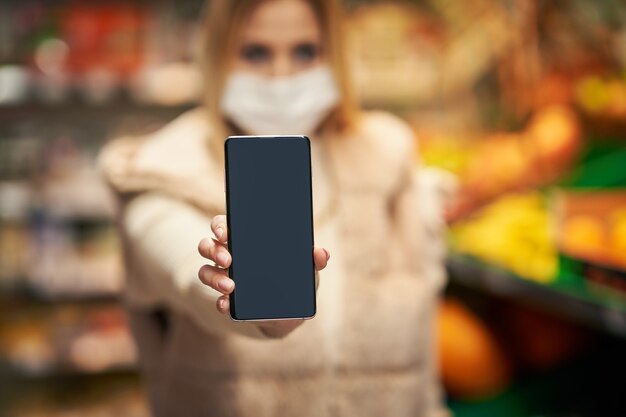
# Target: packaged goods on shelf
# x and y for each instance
(15, 238)
(80, 193)
(125, 401)
(20, 156)
(76, 261)
(67, 340)
(95, 52)
(56, 231)
(171, 84)
(15, 243)
(14, 84)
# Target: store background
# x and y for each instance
(524, 100)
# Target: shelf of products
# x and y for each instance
(38, 341)
(73, 76)
(56, 52)
(111, 394)
(560, 248)
(576, 302)
(72, 111)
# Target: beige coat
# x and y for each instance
(368, 352)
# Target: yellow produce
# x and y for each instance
(602, 97)
(513, 232)
(592, 94)
(445, 153)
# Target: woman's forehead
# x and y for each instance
(282, 20)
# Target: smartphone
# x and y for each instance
(269, 209)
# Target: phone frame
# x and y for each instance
(228, 224)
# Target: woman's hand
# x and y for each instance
(216, 277)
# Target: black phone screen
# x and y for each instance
(270, 225)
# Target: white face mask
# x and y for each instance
(294, 105)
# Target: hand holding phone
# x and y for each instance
(215, 249)
(269, 228)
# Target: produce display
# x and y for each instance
(480, 353)
(592, 226)
(500, 162)
(513, 232)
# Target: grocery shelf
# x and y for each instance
(115, 392)
(25, 294)
(77, 109)
(66, 219)
(15, 373)
(574, 302)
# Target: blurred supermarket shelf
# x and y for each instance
(606, 313)
(77, 110)
(62, 371)
(113, 393)
(50, 259)
(72, 339)
(26, 295)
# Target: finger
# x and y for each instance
(320, 257)
(219, 228)
(223, 304)
(216, 278)
(215, 251)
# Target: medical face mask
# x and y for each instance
(294, 105)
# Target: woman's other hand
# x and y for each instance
(216, 249)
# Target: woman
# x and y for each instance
(276, 67)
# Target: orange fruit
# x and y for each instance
(554, 133)
(472, 362)
(583, 235)
(618, 237)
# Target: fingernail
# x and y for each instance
(327, 254)
(222, 258)
(220, 232)
(221, 303)
(225, 284)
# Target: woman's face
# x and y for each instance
(281, 38)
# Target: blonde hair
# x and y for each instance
(223, 21)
